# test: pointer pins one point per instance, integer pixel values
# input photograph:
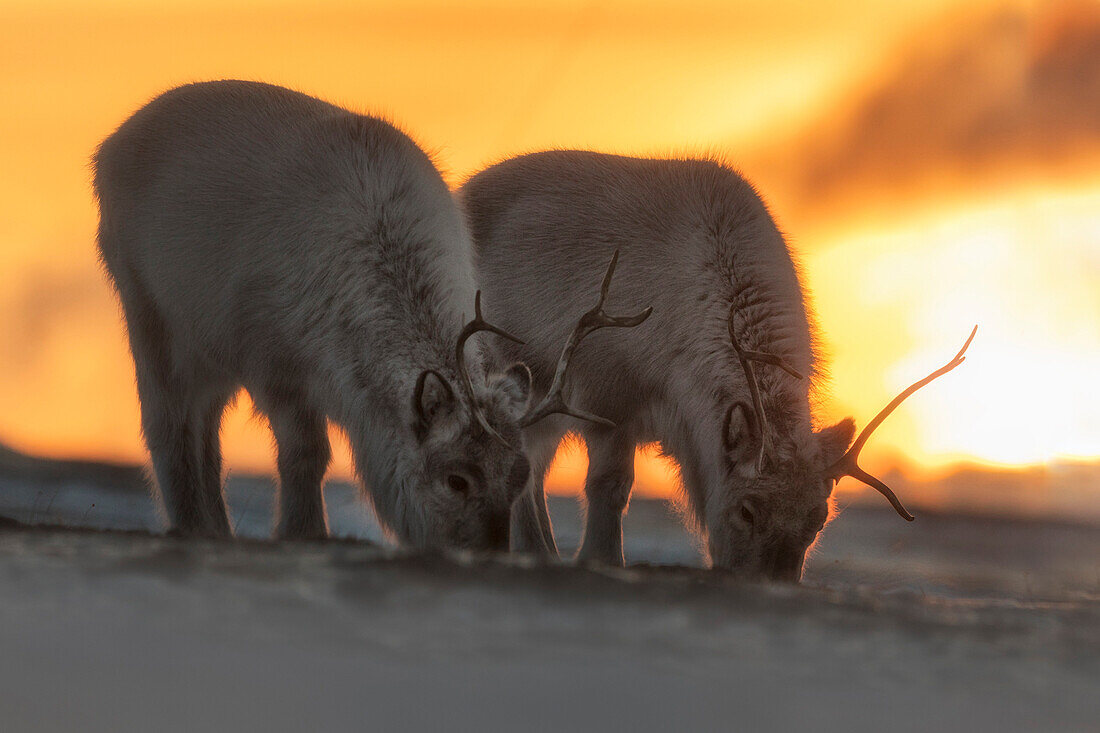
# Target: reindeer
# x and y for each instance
(720, 376)
(263, 239)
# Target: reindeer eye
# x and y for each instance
(458, 484)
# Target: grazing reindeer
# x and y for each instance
(720, 375)
(260, 238)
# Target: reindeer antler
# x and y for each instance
(591, 321)
(745, 357)
(848, 465)
(478, 324)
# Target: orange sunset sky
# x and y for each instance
(935, 163)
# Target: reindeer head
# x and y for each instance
(467, 472)
(473, 449)
(780, 500)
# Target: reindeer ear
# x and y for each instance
(433, 396)
(515, 386)
(739, 436)
(834, 440)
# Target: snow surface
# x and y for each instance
(948, 623)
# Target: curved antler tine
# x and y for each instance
(597, 318)
(745, 357)
(774, 361)
(606, 284)
(859, 473)
(848, 464)
(484, 424)
(627, 321)
(480, 324)
(556, 405)
(477, 324)
(591, 321)
(959, 358)
(754, 390)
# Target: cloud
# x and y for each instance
(47, 301)
(1013, 89)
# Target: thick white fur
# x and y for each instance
(262, 238)
(694, 238)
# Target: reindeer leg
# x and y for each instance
(167, 387)
(607, 490)
(209, 420)
(303, 458)
(527, 534)
(538, 494)
(531, 529)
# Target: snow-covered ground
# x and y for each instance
(949, 623)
